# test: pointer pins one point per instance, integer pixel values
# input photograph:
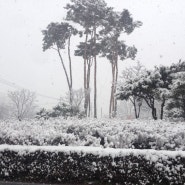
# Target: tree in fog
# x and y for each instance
(124, 94)
(152, 86)
(114, 49)
(176, 104)
(90, 14)
(77, 101)
(57, 36)
(23, 102)
(86, 50)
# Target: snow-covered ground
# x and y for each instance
(114, 133)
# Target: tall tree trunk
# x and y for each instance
(89, 103)
(85, 75)
(135, 108)
(88, 86)
(115, 87)
(113, 100)
(111, 105)
(115, 56)
(154, 110)
(71, 101)
(162, 108)
(151, 104)
(95, 75)
(64, 68)
(95, 88)
(139, 110)
(69, 79)
(154, 113)
(70, 72)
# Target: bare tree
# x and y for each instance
(23, 103)
(78, 97)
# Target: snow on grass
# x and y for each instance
(114, 133)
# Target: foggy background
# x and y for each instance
(23, 64)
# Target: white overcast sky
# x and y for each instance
(161, 40)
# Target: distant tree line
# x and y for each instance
(164, 86)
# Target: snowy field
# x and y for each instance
(114, 133)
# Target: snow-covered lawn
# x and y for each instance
(115, 133)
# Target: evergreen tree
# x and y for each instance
(57, 36)
(112, 48)
(176, 104)
(90, 14)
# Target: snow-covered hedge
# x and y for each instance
(114, 133)
(56, 164)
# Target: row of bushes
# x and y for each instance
(115, 133)
(130, 167)
(141, 141)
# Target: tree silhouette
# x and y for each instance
(23, 103)
(57, 36)
(112, 47)
(90, 14)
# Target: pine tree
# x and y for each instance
(90, 14)
(57, 36)
(116, 24)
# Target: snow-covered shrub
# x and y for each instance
(143, 141)
(114, 133)
(59, 164)
(176, 105)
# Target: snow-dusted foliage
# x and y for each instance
(59, 164)
(176, 105)
(163, 86)
(115, 133)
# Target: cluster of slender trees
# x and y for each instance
(100, 28)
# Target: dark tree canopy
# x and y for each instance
(88, 49)
(87, 13)
(57, 34)
(101, 27)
